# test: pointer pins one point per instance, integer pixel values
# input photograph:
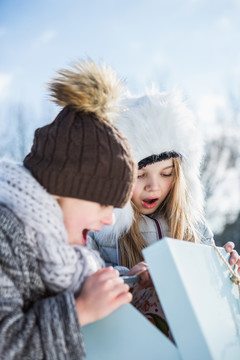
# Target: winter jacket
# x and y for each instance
(151, 229)
(34, 323)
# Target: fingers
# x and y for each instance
(106, 274)
(115, 288)
(143, 263)
(122, 299)
(145, 280)
(234, 258)
(110, 283)
(141, 269)
(229, 246)
(110, 291)
(144, 277)
(137, 269)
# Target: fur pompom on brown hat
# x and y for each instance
(81, 154)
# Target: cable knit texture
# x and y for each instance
(62, 266)
(35, 323)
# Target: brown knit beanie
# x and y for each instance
(81, 154)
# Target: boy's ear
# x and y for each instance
(56, 197)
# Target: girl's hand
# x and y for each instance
(141, 269)
(102, 293)
(234, 257)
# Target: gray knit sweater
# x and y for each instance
(34, 324)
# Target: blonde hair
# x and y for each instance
(175, 209)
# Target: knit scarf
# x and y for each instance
(62, 266)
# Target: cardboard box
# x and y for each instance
(201, 303)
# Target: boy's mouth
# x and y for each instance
(149, 203)
(85, 232)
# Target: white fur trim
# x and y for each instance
(123, 221)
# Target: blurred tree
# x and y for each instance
(231, 232)
(221, 175)
(221, 179)
(14, 133)
(17, 126)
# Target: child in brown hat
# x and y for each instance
(79, 168)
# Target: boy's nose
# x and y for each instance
(108, 219)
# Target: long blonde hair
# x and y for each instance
(174, 208)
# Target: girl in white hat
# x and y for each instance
(167, 199)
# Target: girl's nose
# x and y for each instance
(153, 185)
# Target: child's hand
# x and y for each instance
(234, 258)
(102, 293)
(141, 269)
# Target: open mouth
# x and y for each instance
(149, 203)
(85, 232)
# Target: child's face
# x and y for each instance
(153, 184)
(80, 216)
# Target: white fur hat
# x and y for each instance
(159, 122)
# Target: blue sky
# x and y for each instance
(193, 44)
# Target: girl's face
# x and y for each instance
(80, 216)
(153, 184)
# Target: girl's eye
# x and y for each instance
(140, 176)
(167, 175)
